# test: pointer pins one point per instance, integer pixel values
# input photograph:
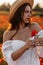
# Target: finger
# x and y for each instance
(38, 40)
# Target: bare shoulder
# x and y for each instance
(36, 26)
(7, 35)
(34, 23)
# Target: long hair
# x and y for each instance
(17, 18)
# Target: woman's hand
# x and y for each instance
(29, 44)
(39, 41)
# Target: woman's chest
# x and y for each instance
(23, 35)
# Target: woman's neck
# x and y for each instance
(23, 25)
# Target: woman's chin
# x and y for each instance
(27, 22)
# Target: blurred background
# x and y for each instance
(5, 5)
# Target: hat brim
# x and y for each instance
(16, 5)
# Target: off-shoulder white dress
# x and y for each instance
(29, 57)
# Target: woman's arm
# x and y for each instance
(15, 55)
(39, 40)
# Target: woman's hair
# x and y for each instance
(17, 18)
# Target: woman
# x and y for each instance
(18, 48)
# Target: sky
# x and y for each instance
(40, 2)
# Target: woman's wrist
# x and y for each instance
(26, 47)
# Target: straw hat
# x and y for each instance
(16, 5)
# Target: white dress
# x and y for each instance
(29, 57)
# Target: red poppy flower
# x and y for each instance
(1, 60)
(34, 32)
